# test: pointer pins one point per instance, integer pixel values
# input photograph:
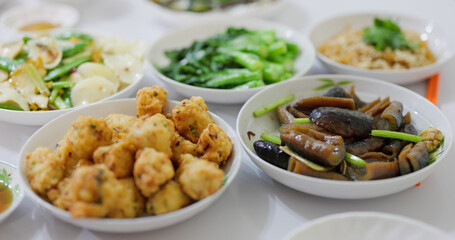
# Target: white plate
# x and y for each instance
(51, 133)
(440, 43)
(39, 118)
(244, 10)
(56, 13)
(367, 225)
(12, 178)
(423, 114)
(183, 37)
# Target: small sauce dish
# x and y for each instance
(11, 192)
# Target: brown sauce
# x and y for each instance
(38, 26)
(6, 197)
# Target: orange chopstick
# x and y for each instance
(432, 89)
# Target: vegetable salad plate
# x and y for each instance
(388, 46)
(227, 61)
(74, 68)
(367, 225)
(315, 172)
(51, 133)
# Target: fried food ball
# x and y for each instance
(60, 196)
(93, 191)
(200, 178)
(181, 146)
(118, 157)
(169, 198)
(44, 170)
(191, 118)
(83, 138)
(131, 204)
(214, 144)
(150, 101)
(151, 170)
(119, 124)
(153, 132)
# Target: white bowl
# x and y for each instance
(9, 173)
(56, 13)
(366, 225)
(423, 114)
(183, 37)
(440, 43)
(51, 133)
(244, 10)
(39, 118)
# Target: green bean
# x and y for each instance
(69, 35)
(9, 107)
(396, 135)
(9, 64)
(271, 138)
(62, 70)
(60, 104)
(54, 94)
(263, 110)
(63, 84)
(73, 50)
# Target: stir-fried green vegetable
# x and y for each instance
(236, 59)
(272, 106)
(385, 33)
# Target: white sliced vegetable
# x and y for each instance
(3, 75)
(11, 50)
(90, 69)
(75, 77)
(128, 68)
(117, 45)
(47, 49)
(21, 80)
(91, 89)
(9, 96)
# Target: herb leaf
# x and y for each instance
(386, 33)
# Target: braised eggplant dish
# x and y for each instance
(340, 137)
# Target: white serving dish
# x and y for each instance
(51, 133)
(39, 118)
(183, 37)
(366, 225)
(440, 42)
(12, 178)
(423, 113)
(185, 17)
(56, 13)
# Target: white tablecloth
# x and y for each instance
(254, 206)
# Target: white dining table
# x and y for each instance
(254, 206)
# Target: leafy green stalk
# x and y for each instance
(271, 106)
(396, 135)
(355, 160)
(36, 79)
(301, 120)
(271, 138)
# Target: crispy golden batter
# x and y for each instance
(44, 169)
(151, 170)
(214, 144)
(119, 124)
(169, 198)
(131, 204)
(154, 132)
(150, 101)
(60, 196)
(200, 178)
(181, 146)
(93, 191)
(118, 157)
(191, 118)
(83, 138)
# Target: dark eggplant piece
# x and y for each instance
(358, 103)
(394, 147)
(347, 123)
(323, 149)
(296, 113)
(371, 171)
(307, 105)
(413, 158)
(337, 92)
(271, 153)
(393, 115)
(370, 144)
(299, 167)
(284, 116)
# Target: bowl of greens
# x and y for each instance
(228, 61)
(44, 76)
(393, 47)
